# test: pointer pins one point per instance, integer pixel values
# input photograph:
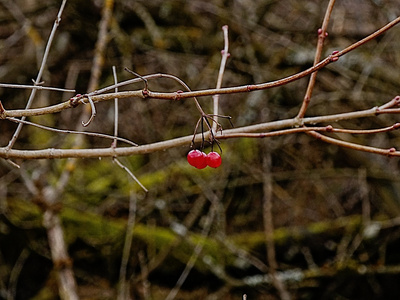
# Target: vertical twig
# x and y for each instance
(154, 262)
(102, 39)
(40, 73)
(225, 55)
(51, 220)
(123, 288)
(15, 272)
(61, 260)
(364, 195)
(114, 144)
(196, 252)
(322, 34)
(269, 226)
(144, 274)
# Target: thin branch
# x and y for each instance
(353, 146)
(101, 43)
(185, 140)
(196, 252)
(16, 272)
(225, 56)
(130, 173)
(369, 37)
(96, 97)
(38, 87)
(6, 152)
(182, 95)
(114, 144)
(322, 34)
(40, 73)
(269, 225)
(67, 131)
(92, 115)
(146, 84)
(122, 289)
(327, 128)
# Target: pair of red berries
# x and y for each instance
(200, 160)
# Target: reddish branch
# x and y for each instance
(98, 96)
(190, 94)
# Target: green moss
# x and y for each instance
(92, 228)
(283, 235)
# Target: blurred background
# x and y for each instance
(335, 211)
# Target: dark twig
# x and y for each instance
(146, 84)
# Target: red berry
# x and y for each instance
(214, 159)
(197, 159)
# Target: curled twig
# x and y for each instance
(93, 114)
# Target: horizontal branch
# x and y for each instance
(186, 140)
(36, 87)
(4, 114)
(353, 146)
(82, 99)
(182, 95)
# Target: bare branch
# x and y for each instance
(93, 114)
(38, 87)
(322, 34)
(114, 144)
(185, 140)
(386, 152)
(94, 134)
(130, 174)
(225, 56)
(41, 70)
